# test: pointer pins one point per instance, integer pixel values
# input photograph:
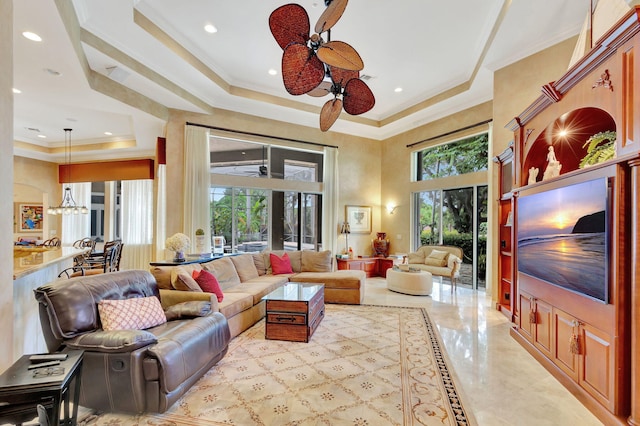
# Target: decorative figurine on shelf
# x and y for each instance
(533, 175)
(553, 165)
(381, 245)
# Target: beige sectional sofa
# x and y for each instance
(246, 278)
(432, 259)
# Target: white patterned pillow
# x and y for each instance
(131, 314)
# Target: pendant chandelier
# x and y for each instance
(68, 204)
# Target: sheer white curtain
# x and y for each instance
(330, 201)
(161, 209)
(77, 226)
(137, 223)
(196, 184)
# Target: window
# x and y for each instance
(280, 211)
(241, 216)
(457, 158)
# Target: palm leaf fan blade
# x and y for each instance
(341, 76)
(340, 55)
(358, 98)
(322, 90)
(289, 24)
(330, 16)
(302, 71)
(329, 113)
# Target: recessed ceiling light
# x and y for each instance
(32, 36)
(398, 89)
(273, 72)
(211, 29)
(108, 133)
(16, 91)
(42, 136)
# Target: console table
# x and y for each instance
(190, 259)
(373, 266)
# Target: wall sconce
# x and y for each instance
(391, 208)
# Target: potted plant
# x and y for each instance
(600, 147)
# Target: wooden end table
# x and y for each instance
(294, 311)
(21, 390)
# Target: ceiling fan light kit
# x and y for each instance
(313, 66)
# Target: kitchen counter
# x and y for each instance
(27, 259)
(33, 267)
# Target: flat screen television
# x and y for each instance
(562, 237)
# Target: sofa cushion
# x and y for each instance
(208, 283)
(280, 264)
(234, 303)
(181, 279)
(245, 267)
(415, 257)
(225, 272)
(258, 261)
(137, 313)
(294, 257)
(436, 258)
(314, 261)
(261, 286)
(162, 274)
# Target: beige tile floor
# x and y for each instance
(502, 383)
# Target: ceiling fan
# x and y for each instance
(311, 65)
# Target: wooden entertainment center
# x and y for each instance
(591, 344)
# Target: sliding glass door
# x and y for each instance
(456, 217)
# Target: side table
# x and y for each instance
(21, 390)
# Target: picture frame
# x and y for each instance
(359, 218)
(30, 217)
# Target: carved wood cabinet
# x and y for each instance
(590, 343)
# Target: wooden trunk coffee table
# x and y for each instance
(294, 311)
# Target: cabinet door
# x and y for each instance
(342, 264)
(565, 326)
(370, 267)
(526, 309)
(543, 327)
(597, 365)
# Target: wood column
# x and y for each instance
(634, 417)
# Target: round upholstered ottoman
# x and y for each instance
(415, 283)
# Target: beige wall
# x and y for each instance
(37, 181)
(359, 164)
(516, 86)
(6, 174)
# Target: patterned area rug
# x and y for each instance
(364, 366)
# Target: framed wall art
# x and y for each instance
(359, 218)
(30, 217)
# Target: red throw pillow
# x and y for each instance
(208, 283)
(280, 265)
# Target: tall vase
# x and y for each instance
(200, 244)
(381, 245)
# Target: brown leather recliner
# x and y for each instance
(131, 371)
